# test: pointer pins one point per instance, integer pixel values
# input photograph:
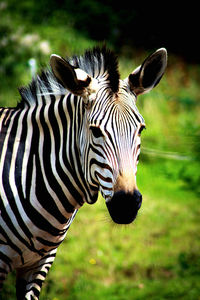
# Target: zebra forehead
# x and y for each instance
(116, 114)
(99, 62)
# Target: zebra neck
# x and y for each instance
(59, 126)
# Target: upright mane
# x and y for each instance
(97, 62)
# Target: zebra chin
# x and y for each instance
(123, 207)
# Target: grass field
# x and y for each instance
(158, 256)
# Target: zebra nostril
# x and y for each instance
(138, 198)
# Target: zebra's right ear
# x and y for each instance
(75, 80)
(148, 75)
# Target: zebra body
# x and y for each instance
(75, 132)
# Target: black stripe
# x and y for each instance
(6, 259)
(106, 179)
(4, 128)
(8, 189)
(41, 190)
(44, 197)
(101, 165)
(3, 271)
(67, 141)
(48, 243)
(12, 245)
(73, 191)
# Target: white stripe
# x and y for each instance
(41, 154)
(27, 149)
(16, 144)
(61, 152)
(37, 206)
(2, 191)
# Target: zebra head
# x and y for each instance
(109, 139)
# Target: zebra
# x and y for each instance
(75, 132)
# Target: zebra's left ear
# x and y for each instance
(75, 80)
(148, 75)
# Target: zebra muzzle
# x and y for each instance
(123, 207)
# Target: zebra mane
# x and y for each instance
(97, 62)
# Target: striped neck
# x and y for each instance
(60, 121)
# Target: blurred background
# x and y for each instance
(158, 256)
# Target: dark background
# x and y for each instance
(140, 24)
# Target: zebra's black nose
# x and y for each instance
(123, 207)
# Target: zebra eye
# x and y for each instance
(141, 129)
(96, 131)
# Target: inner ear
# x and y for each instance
(152, 69)
(74, 79)
(134, 82)
(64, 72)
(148, 75)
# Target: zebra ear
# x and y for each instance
(148, 75)
(75, 80)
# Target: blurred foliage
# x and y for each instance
(17, 46)
(25, 33)
(145, 25)
(158, 256)
(135, 24)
